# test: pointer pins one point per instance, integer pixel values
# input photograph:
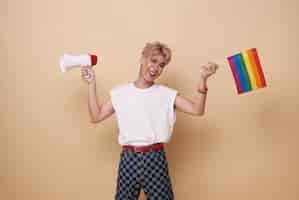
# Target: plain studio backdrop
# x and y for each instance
(244, 147)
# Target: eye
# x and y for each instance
(154, 60)
(162, 65)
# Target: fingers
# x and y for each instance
(87, 74)
(208, 69)
(87, 70)
(212, 67)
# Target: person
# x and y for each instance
(146, 113)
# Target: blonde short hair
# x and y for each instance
(157, 48)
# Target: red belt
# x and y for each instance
(155, 146)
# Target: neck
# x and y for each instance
(141, 83)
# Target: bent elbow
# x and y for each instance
(200, 113)
(198, 110)
(94, 121)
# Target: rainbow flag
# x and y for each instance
(247, 71)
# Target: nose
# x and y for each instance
(155, 67)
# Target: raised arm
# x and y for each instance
(97, 112)
(197, 106)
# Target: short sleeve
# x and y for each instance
(171, 108)
(117, 95)
(113, 97)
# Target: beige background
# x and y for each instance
(245, 147)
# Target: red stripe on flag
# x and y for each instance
(258, 67)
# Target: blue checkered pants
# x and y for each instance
(143, 170)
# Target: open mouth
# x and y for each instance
(152, 74)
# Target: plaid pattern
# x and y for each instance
(146, 170)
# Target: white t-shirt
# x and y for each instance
(144, 116)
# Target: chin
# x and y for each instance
(149, 79)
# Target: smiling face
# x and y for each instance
(155, 56)
(152, 67)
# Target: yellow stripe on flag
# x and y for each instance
(250, 71)
(254, 68)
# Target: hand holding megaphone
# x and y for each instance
(88, 74)
(68, 62)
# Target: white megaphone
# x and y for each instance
(68, 62)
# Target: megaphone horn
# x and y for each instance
(68, 62)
